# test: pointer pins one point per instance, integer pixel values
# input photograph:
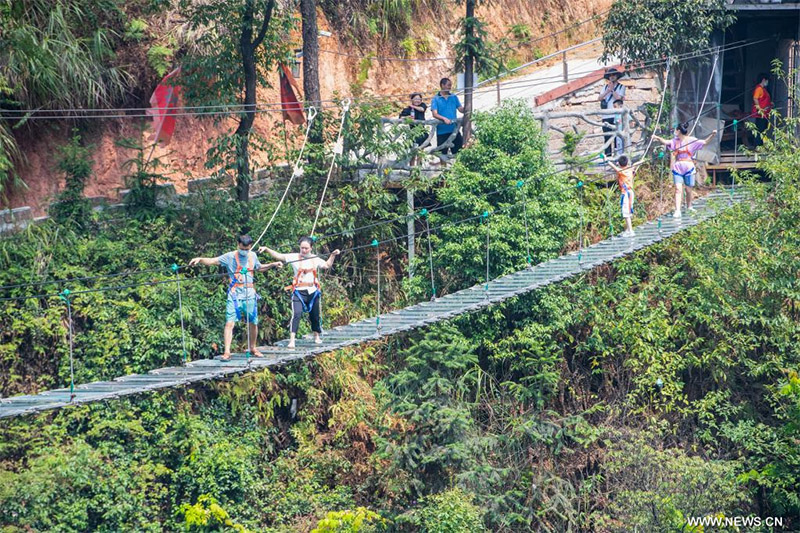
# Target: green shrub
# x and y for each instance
(452, 511)
(507, 175)
(658, 489)
(76, 165)
(361, 520)
(159, 57)
(136, 30)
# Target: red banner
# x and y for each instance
(291, 108)
(163, 103)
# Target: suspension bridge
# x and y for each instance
(413, 317)
(384, 324)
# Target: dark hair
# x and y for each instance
(683, 127)
(623, 161)
(761, 77)
(443, 81)
(245, 240)
(307, 239)
(618, 101)
(414, 94)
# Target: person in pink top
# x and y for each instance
(683, 148)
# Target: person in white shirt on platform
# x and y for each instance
(612, 92)
(305, 287)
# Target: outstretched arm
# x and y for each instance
(710, 136)
(331, 258)
(273, 253)
(207, 261)
(613, 166)
(276, 264)
(662, 140)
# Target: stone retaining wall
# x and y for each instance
(19, 218)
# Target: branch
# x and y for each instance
(264, 25)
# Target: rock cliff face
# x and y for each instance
(343, 71)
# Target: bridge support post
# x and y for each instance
(410, 228)
(626, 129)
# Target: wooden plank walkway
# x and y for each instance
(415, 316)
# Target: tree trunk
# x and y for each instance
(468, 73)
(247, 47)
(308, 13)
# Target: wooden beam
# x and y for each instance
(573, 86)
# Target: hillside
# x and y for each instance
(657, 393)
(357, 33)
(639, 395)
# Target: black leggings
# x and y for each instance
(297, 310)
(761, 126)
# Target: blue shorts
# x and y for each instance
(687, 179)
(232, 314)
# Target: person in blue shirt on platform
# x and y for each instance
(444, 107)
(242, 298)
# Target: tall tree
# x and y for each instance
(308, 14)
(638, 31)
(239, 41)
(469, 63)
(473, 53)
(642, 31)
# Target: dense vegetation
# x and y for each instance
(636, 396)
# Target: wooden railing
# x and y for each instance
(402, 131)
(584, 127)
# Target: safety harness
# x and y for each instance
(677, 154)
(296, 285)
(239, 281)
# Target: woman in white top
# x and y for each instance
(305, 286)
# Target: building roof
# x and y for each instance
(762, 5)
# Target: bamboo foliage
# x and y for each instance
(54, 55)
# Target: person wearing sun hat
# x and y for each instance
(611, 92)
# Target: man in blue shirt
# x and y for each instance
(444, 106)
(242, 298)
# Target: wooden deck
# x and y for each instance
(730, 161)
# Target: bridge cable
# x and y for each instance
(424, 214)
(64, 295)
(297, 171)
(520, 185)
(180, 310)
(338, 149)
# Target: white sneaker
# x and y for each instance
(290, 345)
(676, 214)
(318, 340)
(629, 234)
(691, 208)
